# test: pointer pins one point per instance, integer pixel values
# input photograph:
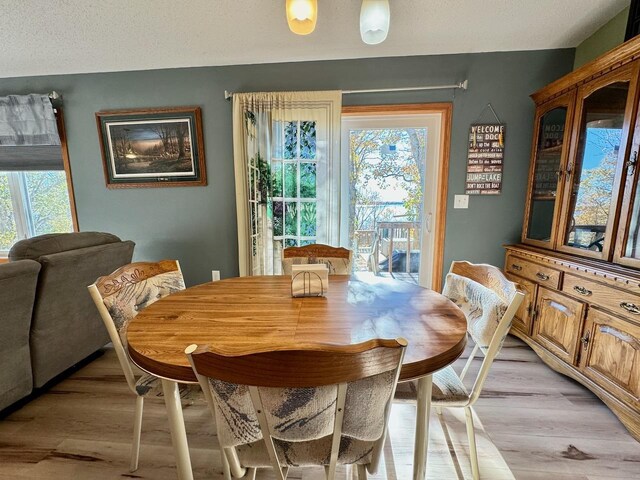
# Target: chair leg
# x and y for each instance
(137, 429)
(473, 453)
(362, 472)
(226, 470)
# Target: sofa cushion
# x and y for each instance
(17, 291)
(34, 248)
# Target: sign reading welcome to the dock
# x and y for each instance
(485, 159)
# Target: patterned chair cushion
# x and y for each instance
(336, 266)
(125, 304)
(448, 389)
(481, 305)
(310, 453)
(151, 386)
(301, 414)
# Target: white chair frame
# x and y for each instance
(492, 352)
(231, 463)
(127, 370)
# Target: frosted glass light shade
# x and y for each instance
(302, 16)
(374, 21)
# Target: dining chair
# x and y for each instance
(489, 301)
(119, 297)
(323, 405)
(339, 260)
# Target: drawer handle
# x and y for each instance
(542, 276)
(516, 267)
(585, 339)
(631, 308)
(582, 290)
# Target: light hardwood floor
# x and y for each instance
(545, 426)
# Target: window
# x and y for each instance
(293, 168)
(36, 200)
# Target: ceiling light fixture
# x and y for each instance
(374, 21)
(302, 16)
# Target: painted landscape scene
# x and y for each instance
(151, 148)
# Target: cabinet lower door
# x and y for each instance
(522, 320)
(558, 323)
(611, 355)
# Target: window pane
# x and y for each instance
(49, 200)
(307, 219)
(276, 178)
(308, 180)
(291, 219)
(278, 214)
(291, 180)
(308, 140)
(290, 242)
(8, 233)
(291, 140)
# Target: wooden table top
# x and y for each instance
(253, 314)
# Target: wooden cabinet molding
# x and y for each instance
(619, 56)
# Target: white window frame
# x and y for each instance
(21, 206)
(298, 200)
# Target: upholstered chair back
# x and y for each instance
(325, 405)
(130, 289)
(489, 301)
(337, 259)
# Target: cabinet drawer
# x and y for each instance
(620, 302)
(540, 274)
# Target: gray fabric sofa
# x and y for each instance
(17, 291)
(65, 325)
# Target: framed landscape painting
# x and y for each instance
(160, 147)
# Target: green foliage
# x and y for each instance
(368, 166)
(7, 222)
(49, 200)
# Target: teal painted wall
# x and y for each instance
(610, 35)
(197, 225)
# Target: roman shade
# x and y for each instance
(29, 137)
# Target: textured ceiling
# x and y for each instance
(40, 37)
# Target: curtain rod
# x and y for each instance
(461, 85)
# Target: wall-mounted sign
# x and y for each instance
(485, 159)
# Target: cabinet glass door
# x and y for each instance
(599, 145)
(628, 242)
(549, 159)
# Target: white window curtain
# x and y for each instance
(286, 149)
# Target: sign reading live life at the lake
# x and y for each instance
(485, 159)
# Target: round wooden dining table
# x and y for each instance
(254, 314)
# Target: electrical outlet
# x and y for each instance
(461, 201)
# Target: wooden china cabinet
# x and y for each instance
(579, 260)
